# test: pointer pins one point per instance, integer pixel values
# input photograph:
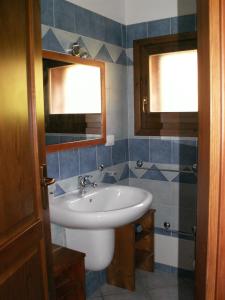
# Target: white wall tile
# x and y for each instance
(173, 252)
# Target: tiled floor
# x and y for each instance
(150, 286)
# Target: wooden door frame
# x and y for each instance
(210, 243)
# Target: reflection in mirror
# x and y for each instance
(74, 93)
(68, 92)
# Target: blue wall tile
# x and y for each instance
(73, 18)
(52, 139)
(183, 24)
(104, 155)
(124, 36)
(163, 231)
(139, 149)
(113, 32)
(69, 164)
(67, 138)
(47, 12)
(160, 151)
(159, 27)
(53, 165)
(87, 159)
(94, 280)
(64, 15)
(170, 269)
(90, 24)
(184, 153)
(120, 152)
(82, 21)
(98, 27)
(136, 32)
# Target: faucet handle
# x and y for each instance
(94, 184)
(101, 167)
(83, 180)
(88, 176)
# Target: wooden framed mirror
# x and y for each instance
(75, 106)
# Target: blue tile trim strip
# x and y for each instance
(170, 269)
(73, 18)
(66, 164)
(174, 233)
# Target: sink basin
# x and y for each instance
(104, 207)
(90, 219)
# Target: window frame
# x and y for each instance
(156, 123)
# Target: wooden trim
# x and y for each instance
(40, 123)
(71, 145)
(34, 44)
(9, 256)
(146, 122)
(220, 275)
(72, 59)
(210, 216)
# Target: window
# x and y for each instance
(166, 86)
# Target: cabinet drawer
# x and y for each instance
(74, 273)
(68, 290)
(69, 274)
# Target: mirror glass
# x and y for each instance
(74, 101)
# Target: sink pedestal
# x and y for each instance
(98, 245)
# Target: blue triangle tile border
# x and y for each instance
(50, 42)
(58, 190)
(185, 178)
(132, 175)
(123, 59)
(103, 54)
(154, 174)
(109, 179)
(83, 45)
(125, 173)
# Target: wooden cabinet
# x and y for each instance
(69, 274)
(134, 248)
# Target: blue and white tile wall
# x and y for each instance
(174, 193)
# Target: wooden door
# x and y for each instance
(210, 252)
(23, 271)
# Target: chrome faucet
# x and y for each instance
(84, 181)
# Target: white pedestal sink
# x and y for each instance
(90, 218)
